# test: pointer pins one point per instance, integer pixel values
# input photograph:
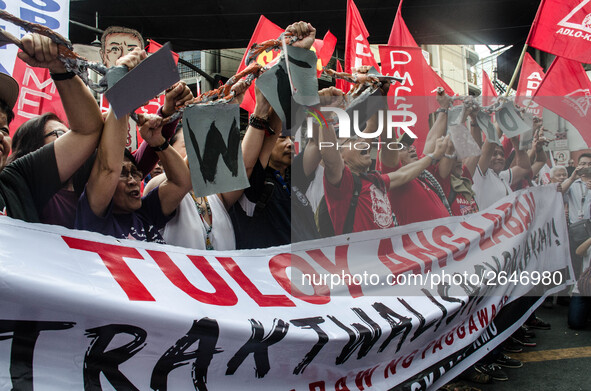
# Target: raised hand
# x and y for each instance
(41, 52)
(132, 59)
(331, 96)
(176, 97)
(305, 33)
(441, 145)
(151, 130)
(443, 99)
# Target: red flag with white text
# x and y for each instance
(566, 91)
(357, 51)
(413, 98)
(529, 80)
(38, 94)
(416, 94)
(563, 28)
(488, 90)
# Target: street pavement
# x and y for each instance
(561, 361)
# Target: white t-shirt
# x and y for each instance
(315, 191)
(187, 229)
(490, 186)
(579, 201)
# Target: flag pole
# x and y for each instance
(524, 49)
(516, 70)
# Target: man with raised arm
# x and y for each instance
(421, 198)
(274, 210)
(373, 209)
(29, 182)
(491, 180)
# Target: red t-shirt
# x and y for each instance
(460, 206)
(414, 201)
(373, 209)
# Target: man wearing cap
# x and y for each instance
(29, 182)
(491, 180)
(373, 209)
(8, 97)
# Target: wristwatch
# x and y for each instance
(161, 147)
(62, 76)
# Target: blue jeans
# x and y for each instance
(578, 311)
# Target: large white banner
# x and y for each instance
(404, 309)
(53, 14)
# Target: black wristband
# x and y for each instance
(161, 147)
(258, 122)
(261, 124)
(441, 110)
(62, 76)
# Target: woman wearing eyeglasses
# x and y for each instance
(29, 137)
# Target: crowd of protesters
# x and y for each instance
(83, 177)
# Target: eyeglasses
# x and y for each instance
(407, 147)
(135, 174)
(56, 133)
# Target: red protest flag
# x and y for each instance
(153, 47)
(529, 80)
(566, 90)
(563, 28)
(38, 94)
(437, 81)
(326, 47)
(488, 90)
(357, 51)
(400, 35)
(413, 99)
(264, 31)
(341, 84)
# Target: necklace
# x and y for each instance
(202, 210)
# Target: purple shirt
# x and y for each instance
(142, 224)
(61, 209)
